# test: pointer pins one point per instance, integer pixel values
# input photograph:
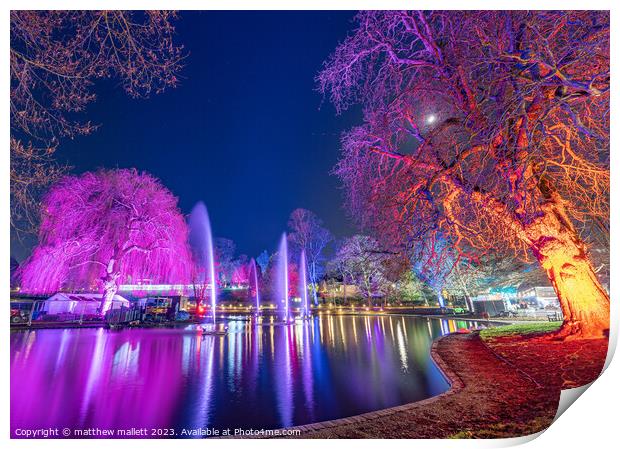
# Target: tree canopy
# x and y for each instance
(111, 226)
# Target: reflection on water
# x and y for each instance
(257, 376)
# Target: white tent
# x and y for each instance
(80, 303)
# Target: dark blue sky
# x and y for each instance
(245, 132)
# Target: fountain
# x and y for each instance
(303, 285)
(282, 275)
(257, 296)
(201, 242)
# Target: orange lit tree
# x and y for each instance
(487, 128)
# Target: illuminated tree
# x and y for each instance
(490, 128)
(224, 259)
(242, 271)
(107, 228)
(433, 263)
(55, 58)
(362, 261)
(307, 232)
(271, 276)
(263, 261)
(200, 284)
(409, 289)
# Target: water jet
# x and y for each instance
(201, 242)
(282, 276)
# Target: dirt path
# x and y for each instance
(558, 364)
(511, 390)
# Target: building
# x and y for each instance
(496, 301)
(79, 303)
(336, 289)
(539, 297)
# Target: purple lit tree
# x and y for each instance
(433, 263)
(224, 259)
(106, 228)
(242, 271)
(263, 261)
(307, 232)
(361, 260)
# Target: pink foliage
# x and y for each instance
(241, 274)
(293, 280)
(113, 225)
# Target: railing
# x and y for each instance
(123, 315)
(555, 316)
(42, 312)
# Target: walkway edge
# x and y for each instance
(455, 382)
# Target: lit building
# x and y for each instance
(541, 297)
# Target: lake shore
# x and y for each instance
(501, 387)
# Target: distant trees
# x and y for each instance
(408, 288)
(376, 273)
(241, 271)
(433, 262)
(488, 128)
(108, 227)
(307, 232)
(270, 280)
(55, 58)
(224, 250)
(360, 259)
(263, 261)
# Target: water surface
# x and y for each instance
(257, 376)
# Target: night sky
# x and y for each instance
(245, 132)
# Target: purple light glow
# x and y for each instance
(174, 378)
(201, 241)
(103, 229)
(282, 277)
(255, 278)
(303, 286)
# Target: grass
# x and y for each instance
(505, 430)
(520, 329)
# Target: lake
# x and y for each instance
(259, 376)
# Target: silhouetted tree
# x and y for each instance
(55, 58)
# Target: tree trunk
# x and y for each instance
(563, 256)
(198, 292)
(312, 276)
(314, 295)
(110, 287)
(440, 299)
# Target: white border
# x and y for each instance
(591, 422)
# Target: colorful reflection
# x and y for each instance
(260, 375)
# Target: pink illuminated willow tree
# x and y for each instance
(105, 228)
(489, 129)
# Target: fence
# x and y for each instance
(81, 312)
